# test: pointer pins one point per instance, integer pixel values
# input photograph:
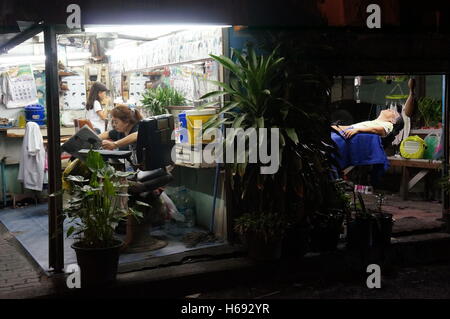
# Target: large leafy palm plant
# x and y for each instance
(257, 98)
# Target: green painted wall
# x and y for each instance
(12, 184)
(375, 92)
(200, 183)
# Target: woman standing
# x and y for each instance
(95, 112)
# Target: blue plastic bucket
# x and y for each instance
(182, 118)
(35, 113)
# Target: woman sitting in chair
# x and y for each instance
(382, 126)
(124, 135)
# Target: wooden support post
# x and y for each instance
(417, 178)
(404, 183)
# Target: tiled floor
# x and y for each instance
(412, 215)
(30, 226)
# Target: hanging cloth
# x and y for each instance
(396, 102)
(32, 159)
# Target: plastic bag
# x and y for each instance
(171, 208)
(432, 141)
(412, 147)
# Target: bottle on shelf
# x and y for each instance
(21, 122)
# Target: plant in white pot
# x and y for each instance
(95, 206)
(156, 100)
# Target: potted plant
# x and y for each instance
(370, 228)
(360, 230)
(263, 233)
(430, 110)
(385, 221)
(327, 224)
(257, 93)
(156, 100)
(95, 206)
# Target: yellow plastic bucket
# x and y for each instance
(194, 131)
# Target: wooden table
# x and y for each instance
(20, 132)
(15, 132)
(407, 165)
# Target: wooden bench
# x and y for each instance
(408, 183)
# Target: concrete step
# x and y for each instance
(189, 278)
(421, 249)
(437, 236)
(411, 226)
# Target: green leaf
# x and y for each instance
(260, 122)
(292, 134)
(205, 105)
(70, 231)
(142, 204)
(77, 179)
(282, 142)
(227, 63)
(225, 86)
(241, 168)
(124, 174)
(212, 94)
(94, 161)
(237, 123)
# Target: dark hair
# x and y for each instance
(126, 114)
(96, 88)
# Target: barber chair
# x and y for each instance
(153, 153)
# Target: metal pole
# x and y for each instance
(3, 169)
(56, 239)
(446, 120)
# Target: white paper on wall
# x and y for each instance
(137, 88)
(181, 47)
(116, 80)
(20, 86)
(75, 97)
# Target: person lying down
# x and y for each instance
(382, 126)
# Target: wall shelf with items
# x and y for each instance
(188, 155)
